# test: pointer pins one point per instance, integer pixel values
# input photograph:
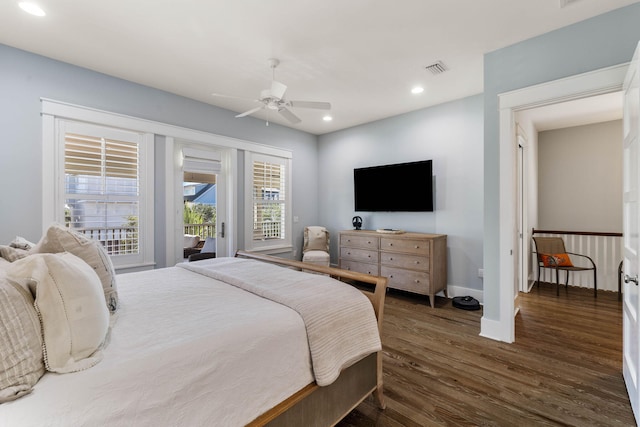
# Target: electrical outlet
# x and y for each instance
(481, 272)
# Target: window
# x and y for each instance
(268, 206)
(104, 188)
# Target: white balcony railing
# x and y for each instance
(604, 248)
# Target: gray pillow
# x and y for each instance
(21, 360)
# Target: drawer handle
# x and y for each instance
(390, 258)
(390, 244)
(391, 276)
(369, 242)
(417, 247)
(368, 256)
(417, 281)
(417, 262)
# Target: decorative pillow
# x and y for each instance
(21, 361)
(560, 260)
(70, 304)
(316, 239)
(191, 241)
(61, 239)
(22, 243)
(12, 254)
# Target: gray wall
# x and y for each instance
(451, 135)
(25, 78)
(580, 178)
(603, 41)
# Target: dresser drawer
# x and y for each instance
(362, 255)
(409, 246)
(367, 242)
(412, 262)
(406, 280)
(359, 267)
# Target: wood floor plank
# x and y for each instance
(565, 368)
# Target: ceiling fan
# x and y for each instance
(273, 99)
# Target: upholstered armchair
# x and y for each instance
(315, 249)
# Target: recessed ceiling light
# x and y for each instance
(417, 89)
(31, 8)
(327, 118)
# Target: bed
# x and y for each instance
(226, 341)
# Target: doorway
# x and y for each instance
(199, 198)
(577, 87)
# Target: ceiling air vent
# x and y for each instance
(437, 68)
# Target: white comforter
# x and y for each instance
(186, 349)
(340, 321)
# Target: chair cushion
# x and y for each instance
(560, 260)
(191, 241)
(316, 257)
(209, 245)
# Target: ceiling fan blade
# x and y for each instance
(253, 110)
(311, 104)
(278, 89)
(287, 114)
(221, 95)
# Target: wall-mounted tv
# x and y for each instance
(401, 187)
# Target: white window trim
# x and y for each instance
(54, 108)
(267, 246)
(53, 179)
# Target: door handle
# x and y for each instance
(222, 230)
(633, 279)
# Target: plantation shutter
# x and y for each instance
(102, 188)
(269, 200)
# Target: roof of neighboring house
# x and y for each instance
(205, 194)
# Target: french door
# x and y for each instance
(631, 230)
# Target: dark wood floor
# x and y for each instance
(565, 368)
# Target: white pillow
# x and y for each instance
(70, 304)
(191, 241)
(22, 243)
(21, 362)
(61, 239)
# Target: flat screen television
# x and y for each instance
(401, 187)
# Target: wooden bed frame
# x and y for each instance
(326, 406)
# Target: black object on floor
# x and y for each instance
(466, 303)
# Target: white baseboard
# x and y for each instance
(494, 330)
(459, 291)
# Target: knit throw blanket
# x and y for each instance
(340, 321)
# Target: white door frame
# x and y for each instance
(593, 83)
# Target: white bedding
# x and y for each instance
(179, 352)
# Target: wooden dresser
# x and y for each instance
(413, 262)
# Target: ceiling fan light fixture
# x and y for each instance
(31, 8)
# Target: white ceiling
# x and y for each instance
(362, 56)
